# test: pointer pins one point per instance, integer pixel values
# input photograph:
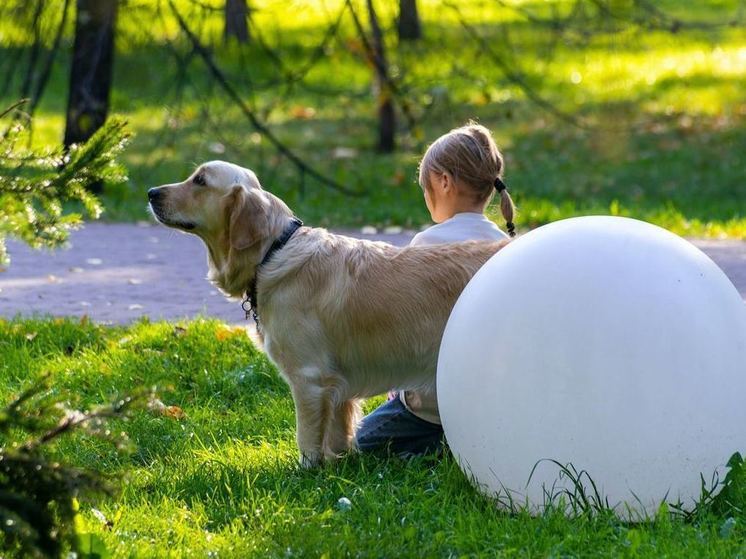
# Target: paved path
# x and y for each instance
(116, 273)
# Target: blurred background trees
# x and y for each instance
(601, 106)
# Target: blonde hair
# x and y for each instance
(469, 154)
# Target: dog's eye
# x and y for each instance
(199, 179)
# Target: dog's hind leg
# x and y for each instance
(340, 431)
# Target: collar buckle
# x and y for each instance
(248, 308)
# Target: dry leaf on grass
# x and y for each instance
(227, 333)
(159, 408)
(302, 112)
(174, 412)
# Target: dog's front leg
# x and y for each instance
(311, 411)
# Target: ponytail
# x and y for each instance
(506, 205)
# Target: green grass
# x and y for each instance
(665, 114)
(223, 481)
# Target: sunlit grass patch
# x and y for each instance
(215, 473)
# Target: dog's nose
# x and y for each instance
(154, 194)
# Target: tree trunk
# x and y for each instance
(91, 70)
(386, 115)
(409, 21)
(34, 52)
(237, 20)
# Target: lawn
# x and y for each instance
(660, 116)
(221, 480)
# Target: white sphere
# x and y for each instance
(602, 342)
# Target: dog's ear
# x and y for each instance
(249, 218)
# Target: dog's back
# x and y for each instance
(377, 312)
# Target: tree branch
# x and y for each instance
(302, 166)
(13, 107)
(513, 76)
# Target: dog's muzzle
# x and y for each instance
(155, 198)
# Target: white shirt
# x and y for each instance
(467, 226)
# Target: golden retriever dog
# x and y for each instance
(343, 319)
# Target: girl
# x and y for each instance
(459, 175)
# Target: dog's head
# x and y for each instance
(225, 206)
(218, 199)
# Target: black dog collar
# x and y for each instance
(250, 304)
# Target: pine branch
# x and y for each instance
(35, 186)
(37, 507)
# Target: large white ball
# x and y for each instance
(602, 342)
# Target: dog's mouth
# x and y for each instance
(158, 213)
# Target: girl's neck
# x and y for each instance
(463, 205)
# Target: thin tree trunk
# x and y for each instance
(46, 70)
(386, 115)
(409, 21)
(28, 80)
(237, 20)
(91, 70)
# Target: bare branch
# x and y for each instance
(302, 166)
(513, 76)
(13, 107)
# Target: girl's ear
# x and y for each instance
(248, 219)
(446, 182)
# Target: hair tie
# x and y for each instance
(511, 228)
(500, 185)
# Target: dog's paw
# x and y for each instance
(310, 460)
